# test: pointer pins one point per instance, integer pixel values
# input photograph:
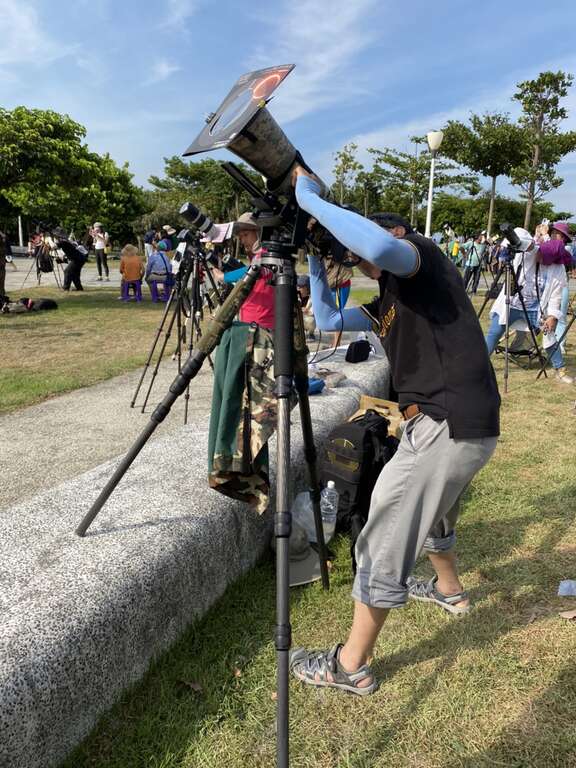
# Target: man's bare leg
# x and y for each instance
(444, 563)
(359, 647)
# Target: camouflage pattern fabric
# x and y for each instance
(243, 415)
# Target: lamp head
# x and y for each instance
(434, 139)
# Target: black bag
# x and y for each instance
(358, 351)
(44, 260)
(354, 456)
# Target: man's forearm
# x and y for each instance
(358, 234)
(328, 316)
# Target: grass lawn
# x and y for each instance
(91, 337)
(494, 688)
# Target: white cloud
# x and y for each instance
(161, 70)
(179, 11)
(323, 37)
(24, 41)
(495, 99)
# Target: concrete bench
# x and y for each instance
(83, 618)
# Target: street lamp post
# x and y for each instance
(434, 139)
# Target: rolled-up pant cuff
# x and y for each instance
(440, 544)
(384, 594)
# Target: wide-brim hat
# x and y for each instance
(246, 221)
(562, 226)
(98, 224)
(304, 562)
(168, 229)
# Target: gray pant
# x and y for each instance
(414, 506)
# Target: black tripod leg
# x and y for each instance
(159, 359)
(28, 273)
(207, 344)
(283, 373)
(518, 291)
(153, 347)
(488, 294)
(310, 454)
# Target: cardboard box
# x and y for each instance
(387, 408)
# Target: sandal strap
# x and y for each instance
(321, 664)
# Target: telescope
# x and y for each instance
(243, 124)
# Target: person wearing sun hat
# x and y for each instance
(542, 279)
(559, 232)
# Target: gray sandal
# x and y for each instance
(322, 668)
(426, 592)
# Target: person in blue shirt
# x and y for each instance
(158, 266)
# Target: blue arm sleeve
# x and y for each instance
(328, 316)
(237, 274)
(359, 235)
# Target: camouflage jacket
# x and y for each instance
(243, 415)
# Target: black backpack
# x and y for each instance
(354, 456)
(44, 260)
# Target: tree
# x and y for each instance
(407, 175)
(345, 169)
(205, 183)
(468, 214)
(48, 173)
(541, 118)
(490, 145)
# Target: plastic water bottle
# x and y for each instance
(329, 509)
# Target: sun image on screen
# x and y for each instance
(266, 85)
(250, 93)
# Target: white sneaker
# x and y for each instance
(563, 377)
(99, 278)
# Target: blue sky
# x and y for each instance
(141, 76)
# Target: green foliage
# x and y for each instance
(468, 215)
(346, 168)
(48, 173)
(406, 175)
(490, 145)
(542, 114)
(204, 183)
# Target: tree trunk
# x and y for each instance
(413, 210)
(491, 208)
(341, 192)
(365, 201)
(532, 183)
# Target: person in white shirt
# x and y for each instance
(101, 241)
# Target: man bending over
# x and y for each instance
(448, 395)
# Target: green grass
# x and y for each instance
(91, 337)
(494, 688)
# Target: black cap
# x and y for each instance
(391, 220)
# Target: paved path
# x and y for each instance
(53, 441)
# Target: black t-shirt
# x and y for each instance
(433, 340)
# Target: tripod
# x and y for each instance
(43, 251)
(183, 302)
(511, 282)
(290, 370)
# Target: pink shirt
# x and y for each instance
(259, 306)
